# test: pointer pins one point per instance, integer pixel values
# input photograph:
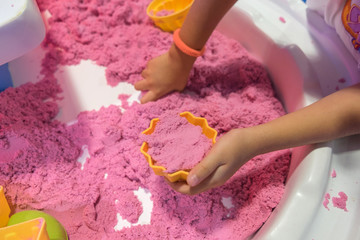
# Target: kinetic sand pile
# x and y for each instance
(38, 155)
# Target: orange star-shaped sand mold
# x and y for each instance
(180, 175)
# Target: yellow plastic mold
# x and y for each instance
(4, 209)
(54, 228)
(34, 229)
(180, 175)
(178, 9)
(29, 224)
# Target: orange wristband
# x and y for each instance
(185, 48)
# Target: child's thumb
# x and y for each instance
(202, 170)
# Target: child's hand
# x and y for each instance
(225, 158)
(164, 74)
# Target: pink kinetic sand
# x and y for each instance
(333, 174)
(39, 165)
(177, 144)
(340, 202)
(326, 201)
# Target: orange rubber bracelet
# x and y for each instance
(185, 48)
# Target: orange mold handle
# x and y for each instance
(350, 18)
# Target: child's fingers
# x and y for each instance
(180, 187)
(184, 188)
(144, 73)
(214, 180)
(142, 85)
(148, 97)
(202, 170)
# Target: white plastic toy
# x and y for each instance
(21, 28)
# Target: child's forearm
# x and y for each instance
(170, 71)
(201, 21)
(334, 116)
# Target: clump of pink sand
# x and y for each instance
(333, 174)
(340, 202)
(38, 163)
(177, 144)
(326, 201)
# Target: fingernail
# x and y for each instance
(192, 180)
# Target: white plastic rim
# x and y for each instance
(21, 28)
(305, 60)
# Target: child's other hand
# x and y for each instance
(225, 158)
(164, 74)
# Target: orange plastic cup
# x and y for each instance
(180, 175)
(176, 9)
(4, 209)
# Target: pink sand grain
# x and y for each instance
(326, 201)
(333, 174)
